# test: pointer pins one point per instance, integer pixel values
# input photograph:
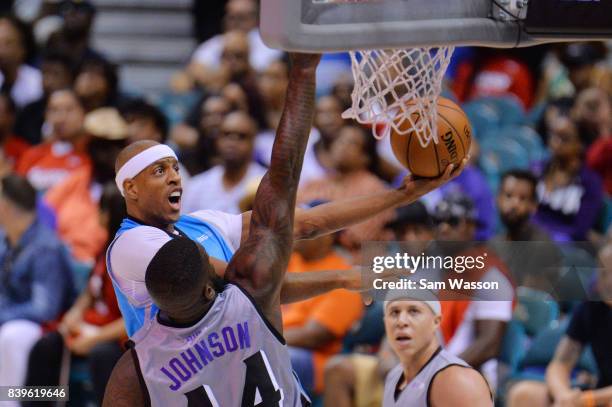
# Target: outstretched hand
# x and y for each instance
(418, 186)
(304, 61)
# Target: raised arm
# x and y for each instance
(333, 216)
(260, 263)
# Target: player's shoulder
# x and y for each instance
(134, 248)
(139, 235)
(210, 215)
(393, 375)
(459, 383)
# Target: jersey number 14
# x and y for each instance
(259, 378)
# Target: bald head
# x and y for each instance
(131, 150)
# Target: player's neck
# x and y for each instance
(413, 364)
(139, 217)
(187, 318)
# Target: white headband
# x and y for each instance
(141, 161)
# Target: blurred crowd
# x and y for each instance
(540, 170)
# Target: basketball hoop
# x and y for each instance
(398, 89)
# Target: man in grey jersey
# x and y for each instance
(427, 375)
(213, 345)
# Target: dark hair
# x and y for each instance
(564, 104)
(72, 5)
(369, 148)
(523, 175)
(112, 202)
(10, 103)
(109, 71)
(19, 191)
(175, 274)
(415, 213)
(57, 57)
(25, 34)
(142, 108)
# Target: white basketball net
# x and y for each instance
(399, 88)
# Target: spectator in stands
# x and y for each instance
(568, 69)
(57, 73)
(517, 202)
(75, 201)
(569, 194)
(592, 113)
(97, 84)
(328, 121)
(233, 66)
(580, 59)
(196, 138)
(240, 15)
(355, 164)
(473, 330)
(272, 84)
(358, 379)
(553, 110)
(145, 121)
(495, 73)
(594, 110)
(598, 159)
(36, 279)
(590, 325)
(21, 81)
(73, 39)
(11, 146)
(471, 182)
(342, 89)
(223, 186)
(245, 96)
(93, 327)
(314, 328)
(47, 164)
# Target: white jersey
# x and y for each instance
(135, 245)
(232, 357)
(417, 392)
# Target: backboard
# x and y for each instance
(339, 25)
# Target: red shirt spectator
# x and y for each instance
(49, 163)
(498, 76)
(598, 159)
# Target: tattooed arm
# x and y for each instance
(123, 388)
(260, 263)
(559, 370)
(333, 216)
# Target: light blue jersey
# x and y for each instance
(135, 245)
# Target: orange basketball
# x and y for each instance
(454, 139)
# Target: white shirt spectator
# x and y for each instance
(206, 191)
(209, 52)
(28, 86)
(483, 308)
(311, 169)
